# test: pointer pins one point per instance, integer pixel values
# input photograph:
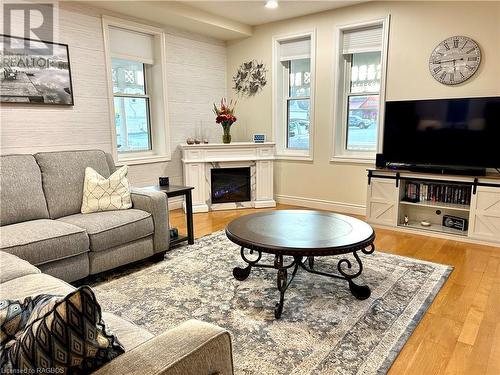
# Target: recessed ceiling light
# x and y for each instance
(271, 4)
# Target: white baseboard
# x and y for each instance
(264, 204)
(175, 203)
(320, 204)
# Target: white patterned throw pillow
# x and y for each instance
(106, 194)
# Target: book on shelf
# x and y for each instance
(437, 193)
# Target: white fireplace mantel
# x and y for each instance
(199, 159)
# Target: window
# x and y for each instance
(136, 59)
(131, 102)
(298, 103)
(292, 95)
(363, 100)
(359, 91)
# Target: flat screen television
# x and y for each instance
(461, 132)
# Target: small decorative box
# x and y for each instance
(259, 138)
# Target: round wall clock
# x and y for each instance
(455, 60)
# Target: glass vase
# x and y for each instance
(226, 136)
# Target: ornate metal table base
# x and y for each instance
(361, 292)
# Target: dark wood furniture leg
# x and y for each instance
(189, 217)
(158, 257)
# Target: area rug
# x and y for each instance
(323, 329)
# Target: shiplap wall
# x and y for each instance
(196, 67)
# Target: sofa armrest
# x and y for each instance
(156, 204)
(194, 348)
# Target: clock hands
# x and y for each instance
(445, 61)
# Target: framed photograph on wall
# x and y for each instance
(34, 72)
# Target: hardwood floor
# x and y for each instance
(460, 333)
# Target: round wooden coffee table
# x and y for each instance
(302, 235)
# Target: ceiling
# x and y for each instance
(224, 20)
(254, 12)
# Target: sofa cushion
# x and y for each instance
(31, 285)
(112, 228)
(12, 267)
(65, 333)
(62, 178)
(68, 269)
(106, 194)
(129, 334)
(21, 193)
(43, 241)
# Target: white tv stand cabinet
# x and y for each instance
(387, 207)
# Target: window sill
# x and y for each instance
(293, 157)
(352, 160)
(149, 159)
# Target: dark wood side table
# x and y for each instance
(175, 191)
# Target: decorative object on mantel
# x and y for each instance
(190, 141)
(203, 134)
(197, 134)
(250, 78)
(259, 138)
(35, 72)
(225, 117)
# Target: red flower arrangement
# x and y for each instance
(225, 114)
(225, 117)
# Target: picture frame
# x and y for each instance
(30, 74)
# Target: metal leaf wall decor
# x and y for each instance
(250, 78)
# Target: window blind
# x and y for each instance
(362, 40)
(131, 44)
(295, 49)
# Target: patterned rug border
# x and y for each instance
(417, 318)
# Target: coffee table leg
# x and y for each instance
(361, 292)
(282, 284)
(347, 272)
(282, 281)
(242, 273)
(310, 260)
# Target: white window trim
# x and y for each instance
(280, 131)
(339, 153)
(160, 134)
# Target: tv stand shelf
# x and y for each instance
(438, 205)
(398, 196)
(433, 228)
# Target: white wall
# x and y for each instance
(196, 77)
(416, 28)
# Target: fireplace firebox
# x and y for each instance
(230, 185)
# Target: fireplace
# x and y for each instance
(230, 185)
(200, 161)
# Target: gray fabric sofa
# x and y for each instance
(40, 219)
(194, 347)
